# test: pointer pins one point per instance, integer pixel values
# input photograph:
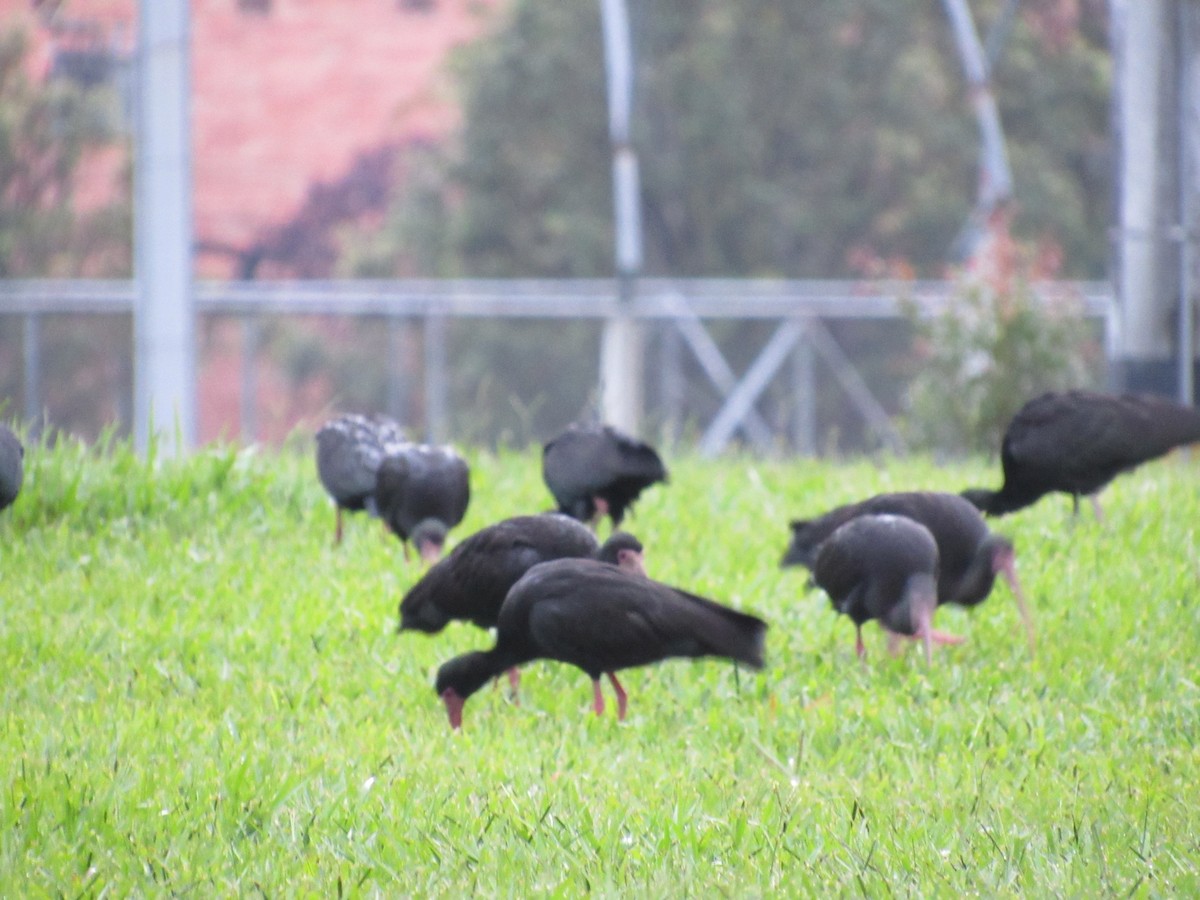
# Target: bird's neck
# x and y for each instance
(482, 666)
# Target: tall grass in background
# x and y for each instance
(203, 696)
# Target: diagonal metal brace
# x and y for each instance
(854, 386)
(740, 401)
(708, 354)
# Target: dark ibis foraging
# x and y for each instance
(349, 451)
(1076, 442)
(12, 466)
(596, 470)
(470, 583)
(882, 567)
(601, 619)
(970, 554)
(421, 492)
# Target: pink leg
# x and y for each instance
(598, 702)
(859, 647)
(1096, 507)
(938, 637)
(622, 697)
(337, 531)
(514, 679)
(893, 643)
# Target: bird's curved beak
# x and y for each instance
(1006, 564)
(454, 707)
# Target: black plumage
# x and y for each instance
(970, 554)
(601, 619)
(12, 466)
(471, 582)
(421, 492)
(1076, 442)
(594, 470)
(350, 449)
(882, 567)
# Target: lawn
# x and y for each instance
(203, 696)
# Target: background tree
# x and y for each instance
(816, 139)
(46, 131)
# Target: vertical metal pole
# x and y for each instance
(435, 376)
(1145, 298)
(164, 326)
(804, 434)
(621, 388)
(1189, 156)
(251, 335)
(33, 373)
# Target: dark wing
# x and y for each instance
(12, 466)
(586, 461)
(865, 565)
(348, 457)
(602, 619)
(472, 581)
(1078, 441)
(422, 482)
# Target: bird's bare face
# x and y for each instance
(632, 561)
(431, 551)
(454, 707)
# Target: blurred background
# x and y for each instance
(794, 159)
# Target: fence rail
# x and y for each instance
(799, 307)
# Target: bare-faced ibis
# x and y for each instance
(596, 470)
(601, 619)
(349, 451)
(1076, 442)
(12, 466)
(471, 582)
(971, 555)
(421, 492)
(882, 567)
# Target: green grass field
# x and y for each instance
(203, 697)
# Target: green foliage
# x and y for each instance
(45, 129)
(775, 138)
(992, 349)
(203, 696)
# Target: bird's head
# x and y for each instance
(802, 550)
(429, 537)
(624, 550)
(458, 679)
(419, 610)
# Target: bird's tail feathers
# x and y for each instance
(731, 633)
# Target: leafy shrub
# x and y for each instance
(1005, 337)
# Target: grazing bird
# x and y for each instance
(470, 583)
(970, 555)
(12, 466)
(595, 470)
(349, 451)
(601, 619)
(421, 492)
(1076, 442)
(881, 567)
